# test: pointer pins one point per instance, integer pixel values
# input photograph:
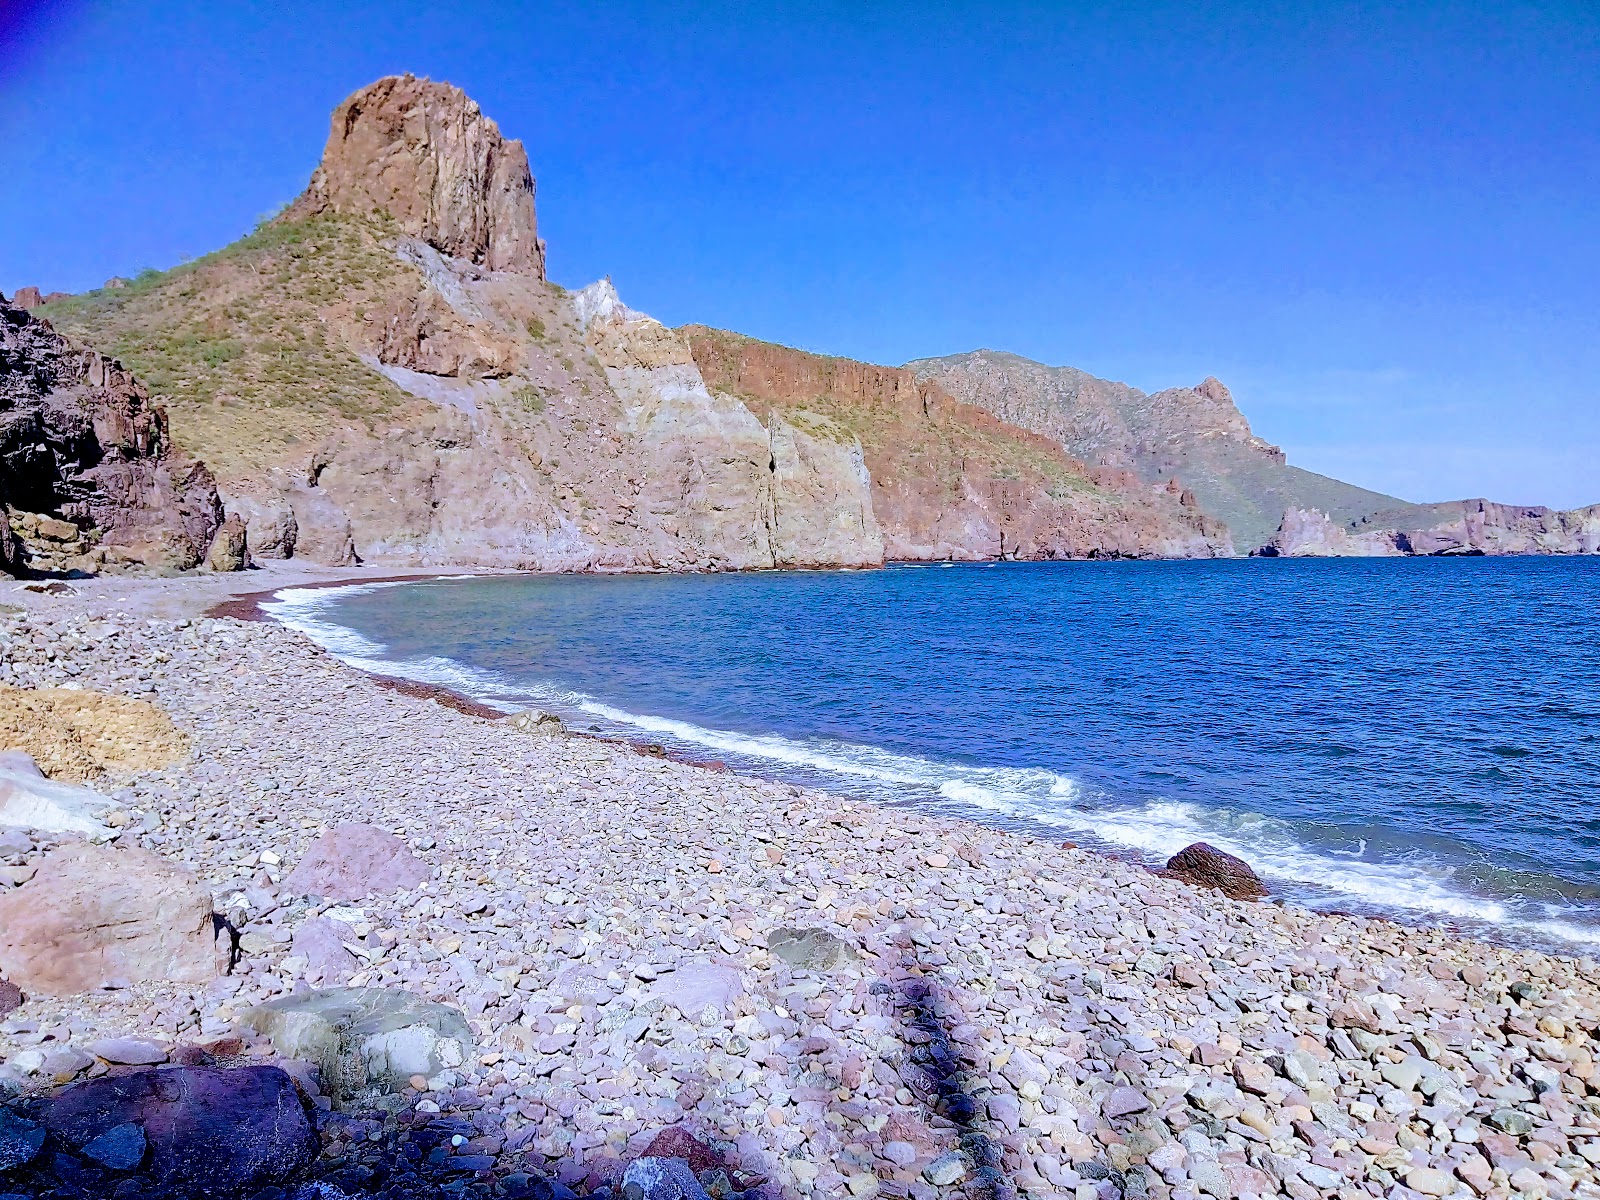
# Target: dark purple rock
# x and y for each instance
(20, 1141)
(211, 1131)
(11, 997)
(118, 1149)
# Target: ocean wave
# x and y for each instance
(1027, 796)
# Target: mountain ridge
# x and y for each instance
(384, 372)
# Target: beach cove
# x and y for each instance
(968, 1011)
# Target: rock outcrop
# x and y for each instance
(1462, 527)
(425, 155)
(88, 472)
(194, 1131)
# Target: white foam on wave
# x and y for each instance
(1159, 828)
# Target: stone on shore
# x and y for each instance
(537, 721)
(365, 1039)
(661, 1179)
(30, 801)
(208, 1130)
(353, 861)
(20, 1141)
(1205, 866)
(810, 949)
(95, 917)
(321, 942)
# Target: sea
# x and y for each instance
(1414, 738)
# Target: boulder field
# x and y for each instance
(547, 965)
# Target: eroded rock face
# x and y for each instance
(83, 445)
(94, 916)
(1457, 527)
(424, 153)
(949, 480)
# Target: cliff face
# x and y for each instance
(1456, 527)
(89, 478)
(1196, 435)
(949, 480)
(384, 373)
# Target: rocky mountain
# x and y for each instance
(1196, 435)
(89, 476)
(1457, 527)
(384, 372)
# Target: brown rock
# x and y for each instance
(230, 548)
(95, 916)
(425, 154)
(27, 297)
(85, 446)
(1205, 866)
(354, 861)
(678, 1142)
(11, 997)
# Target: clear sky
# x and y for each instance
(1379, 223)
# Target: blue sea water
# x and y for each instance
(1413, 737)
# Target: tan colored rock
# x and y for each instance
(81, 735)
(1467, 527)
(230, 547)
(96, 916)
(425, 154)
(27, 297)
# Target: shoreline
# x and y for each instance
(1325, 899)
(1101, 1019)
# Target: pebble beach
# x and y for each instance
(842, 999)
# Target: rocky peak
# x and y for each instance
(425, 154)
(1215, 390)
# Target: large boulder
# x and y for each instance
(365, 1039)
(197, 1131)
(96, 916)
(1203, 865)
(353, 861)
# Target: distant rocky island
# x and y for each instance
(383, 373)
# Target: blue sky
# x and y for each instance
(1377, 223)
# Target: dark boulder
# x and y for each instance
(1204, 865)
(11, 997)
(200, 1131)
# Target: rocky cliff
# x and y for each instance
(949, 480)
(1196, 435)
(384, 373)
(89, 477)
(1457, 527)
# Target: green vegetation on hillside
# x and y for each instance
(243, 344)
